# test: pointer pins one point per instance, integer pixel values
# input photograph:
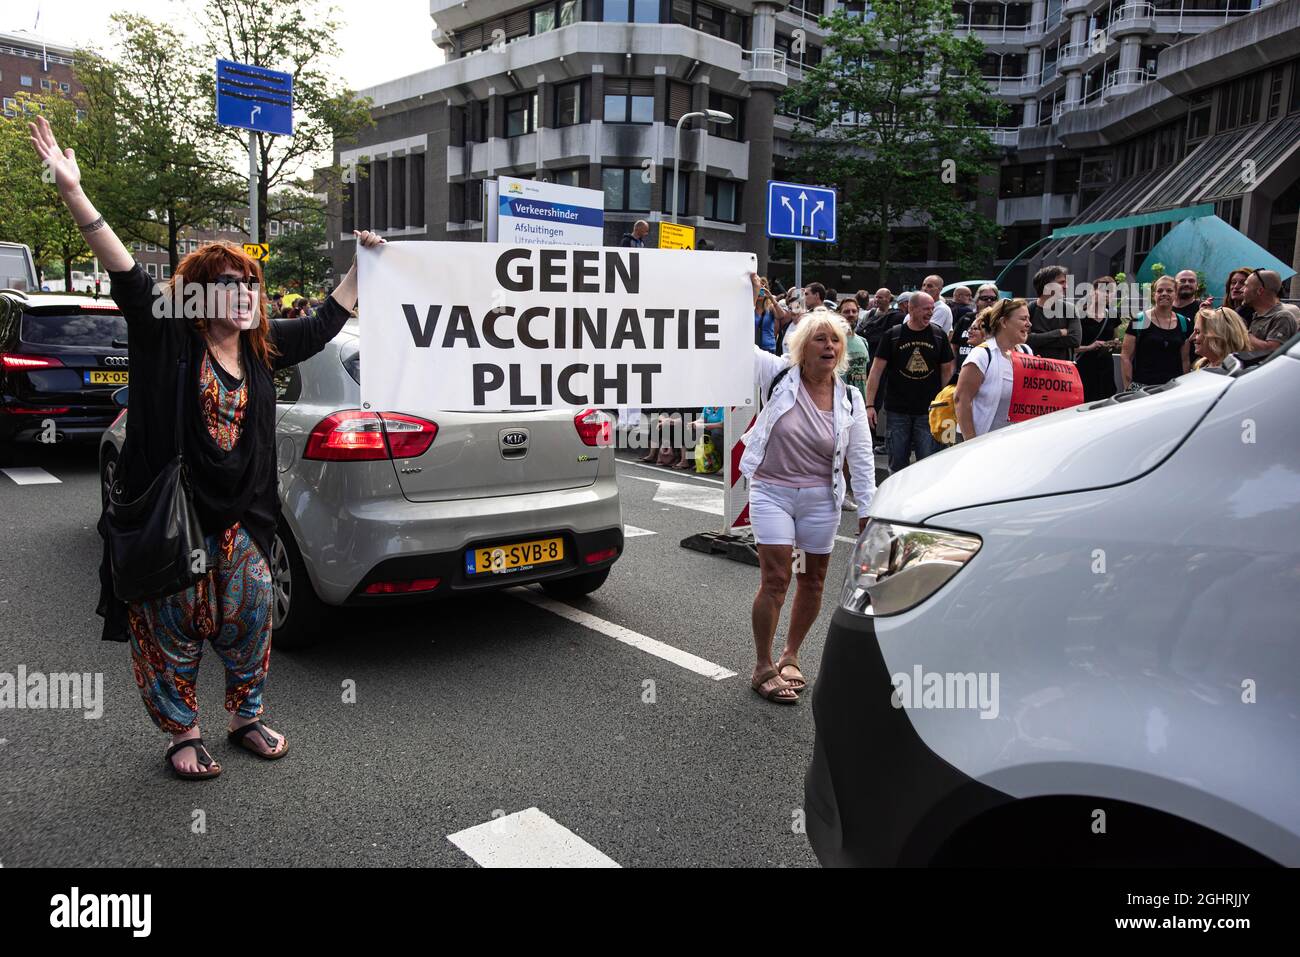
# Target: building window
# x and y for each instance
(417, 190)
(679, 100)
(1066, 178)
(349, 209)
(631, 11)
(137, 246)
(629, 101)
(151, 247)
(549, 16)
(721, 199)
(45, 83)
(727, 104)
(572, 104)
(151, 269)
(685, 203)
(10, 106)
(474, 200)
(64, 88)
(1023, 180)
(710, 19)
(166, 271)
(379, 170)
(567, 177)
(25, 81)
(81, 116)
(397, 220)
(521, 114)
(626, 190)
(273, 227)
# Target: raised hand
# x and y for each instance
(61, 163)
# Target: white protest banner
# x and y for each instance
(464, 326)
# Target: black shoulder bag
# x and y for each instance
(155, 544)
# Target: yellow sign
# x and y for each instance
(675, 236)
(259, 251)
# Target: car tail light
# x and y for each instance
(604, 555)
(594, 428)
(356, 436)
(121, 415)
(402, 587)
(23, 363)
(408, 437)
(24, 410)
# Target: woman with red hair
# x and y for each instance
(206, 337)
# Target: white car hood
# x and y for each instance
(1067, 451)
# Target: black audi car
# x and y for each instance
(61, 359)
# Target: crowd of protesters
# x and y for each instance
(903, 349)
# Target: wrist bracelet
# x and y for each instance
(94, 224)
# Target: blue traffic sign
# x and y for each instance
(253, 98)
(800, 212)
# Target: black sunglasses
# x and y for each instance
(226, 282)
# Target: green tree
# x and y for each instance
(295, 37)
(30, 209)
(297, 261)
(895, 114)
(151, 162)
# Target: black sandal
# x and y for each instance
(201, 755)
(237, 737)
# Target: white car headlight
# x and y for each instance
(895, 567)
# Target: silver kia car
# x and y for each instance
(385, 507)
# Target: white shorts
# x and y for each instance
(806, 518)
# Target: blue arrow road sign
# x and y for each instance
(801, 212)
(253, 98)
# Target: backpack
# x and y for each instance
(873, 330)
(943, 415)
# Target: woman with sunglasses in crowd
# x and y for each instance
(221, 366)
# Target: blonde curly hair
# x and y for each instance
(814, 322)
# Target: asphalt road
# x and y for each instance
(466, 711)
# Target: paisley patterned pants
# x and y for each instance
(230, 607)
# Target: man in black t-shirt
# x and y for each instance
(916, 360)
(1185, 302)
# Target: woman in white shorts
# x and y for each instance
(811, 423)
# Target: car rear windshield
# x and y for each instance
(95, 329)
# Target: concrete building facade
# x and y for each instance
(588, 93)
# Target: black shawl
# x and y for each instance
(229, 487)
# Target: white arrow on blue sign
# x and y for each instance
(795, 211)
(254, 98)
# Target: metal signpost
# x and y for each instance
(260, 101)
(803, 213)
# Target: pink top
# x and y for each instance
(800, 447)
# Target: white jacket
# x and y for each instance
(852, 430)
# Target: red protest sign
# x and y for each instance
(1040, 386)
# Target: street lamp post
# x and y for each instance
(714, 116)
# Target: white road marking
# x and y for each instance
(845, 538)
(660, 470)
(631, 531)
(694, 497)
(31, 476)
(527, 839)
(651, 646)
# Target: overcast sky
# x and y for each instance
(381, 39)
